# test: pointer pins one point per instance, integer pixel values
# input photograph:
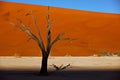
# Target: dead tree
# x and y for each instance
(44, 50)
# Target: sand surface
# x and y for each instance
(81, 62)
(82, 68)
(94, 31)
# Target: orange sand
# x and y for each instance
(94, 31)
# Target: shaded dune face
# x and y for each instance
(95, 32)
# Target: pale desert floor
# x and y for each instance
(81, 68)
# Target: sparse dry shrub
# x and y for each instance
(117, 53)
(61, 67)
(104, 53)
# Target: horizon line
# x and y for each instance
(63, 7)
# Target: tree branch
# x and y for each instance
(33, 37)
(67, 39)
(35, 23)
(27, 31)
(16, 26)
(48, 34)
(24, 28)
(37, 28)
(57, 38)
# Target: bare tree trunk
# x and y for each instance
(43, 70)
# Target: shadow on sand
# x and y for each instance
(60, 75)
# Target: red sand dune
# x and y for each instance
(94, 31)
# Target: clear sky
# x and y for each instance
(107, 6)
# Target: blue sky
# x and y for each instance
(107, 6)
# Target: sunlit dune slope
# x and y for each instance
(94, 32)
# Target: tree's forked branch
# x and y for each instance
(37, 28)
(24, 28)
(57, 38)
(35, 23)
